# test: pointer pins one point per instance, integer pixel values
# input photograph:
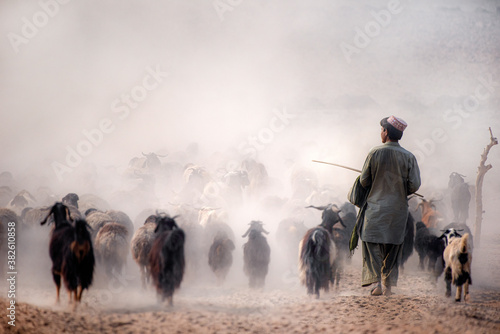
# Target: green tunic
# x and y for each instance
(391, 173)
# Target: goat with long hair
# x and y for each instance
(317, 253)
(220, 257)
(140, 247)
(166, 259)
(256, 255)
(71, 252)
(458, 259)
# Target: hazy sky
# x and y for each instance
(308, 79)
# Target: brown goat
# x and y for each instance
(458, 258)
(71, 252)
(430, 216)
(140, 247)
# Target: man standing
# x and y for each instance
(390, 173)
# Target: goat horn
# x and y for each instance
(317, 207)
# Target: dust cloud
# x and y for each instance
(87, 86)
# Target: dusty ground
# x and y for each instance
(418, 306)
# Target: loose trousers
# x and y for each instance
(380, 263)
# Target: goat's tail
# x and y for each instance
(316, 254)
(464, 242)
(463, 249)
(311, 246)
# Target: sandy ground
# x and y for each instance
(121, 306)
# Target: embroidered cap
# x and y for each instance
(396, 122)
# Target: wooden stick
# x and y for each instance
(329, 163)
(353, 169)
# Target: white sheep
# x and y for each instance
(458, 258)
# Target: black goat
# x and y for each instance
(340, 236)
(62, 232)
(317, 253)
(256, 255)
(71, 252)
(220, 257)
(429, 246)
(78, 264)
(166, 259)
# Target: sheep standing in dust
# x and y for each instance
(97, 220)
(256, 255)
(458, 259)
(140, 247)
(22, 200)
(166, 258)
(122, 218)
(220, 257)
(111, 248)
(31, 217)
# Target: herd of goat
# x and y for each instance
(84, 236)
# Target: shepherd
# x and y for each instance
(390, 173)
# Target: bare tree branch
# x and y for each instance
(481, 170)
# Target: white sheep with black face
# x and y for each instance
(458, 259)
